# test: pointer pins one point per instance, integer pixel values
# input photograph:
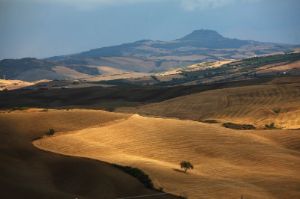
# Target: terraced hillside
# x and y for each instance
(228, 163)
(275, 102)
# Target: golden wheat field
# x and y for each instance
(260, 164)
(32, 173)
(275, 102)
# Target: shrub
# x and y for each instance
(270, 126)
(50, 132)
(110, 109)
(277, 110)
(137, 173)
(239, 126)
(210, 121)
(182, 197)
(22, 108)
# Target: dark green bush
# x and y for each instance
(239, 126)
(277, 110)
(50, 132)
(182, 197)
(110, 109)
(210, 121)
(270, 126)
(137, 173)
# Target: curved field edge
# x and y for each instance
(28, 172)
(137, 173)
(228, 163)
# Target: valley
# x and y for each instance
(116, 122)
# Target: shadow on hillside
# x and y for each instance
(180, 171)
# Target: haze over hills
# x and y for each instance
(139, 56)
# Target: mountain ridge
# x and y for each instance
(141, 56)
(195, 36)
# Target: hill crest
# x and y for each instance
(141, 56)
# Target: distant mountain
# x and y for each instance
(32, 69)
(140, 56)
(212, 40)
(199, 42)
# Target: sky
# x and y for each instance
(44, 28)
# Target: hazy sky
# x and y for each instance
(42, 28)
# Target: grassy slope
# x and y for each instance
(13, 84)
(228, 163)
(27, 172)
(277, 101)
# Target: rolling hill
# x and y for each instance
(163, 125)
(204, 73)
(277, 101)
(27, 172)
(228, 163)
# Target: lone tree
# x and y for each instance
(185, 165)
